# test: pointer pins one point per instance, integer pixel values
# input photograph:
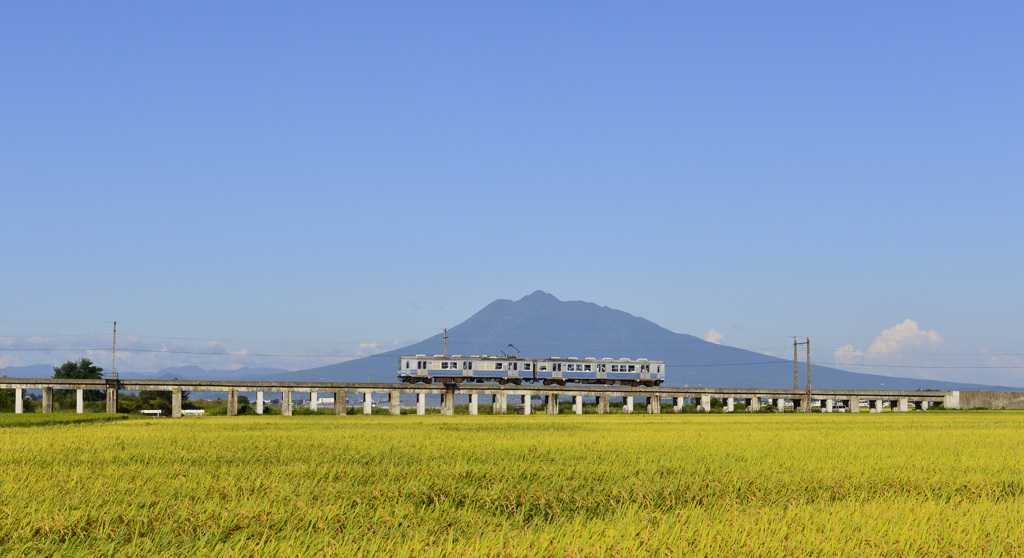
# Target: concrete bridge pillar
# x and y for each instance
(730, 404)
(259, 403)
(19, 401)
(603, 403)
(313, 403)
(340, 403)
(876, 405)
(286, 402)
(654, 405)
(421, 404)
(829, 403)
(902, 405)
(853, 404)
(677, 404)
(176, 402)
(232, 402)
(395, 403)
(923, 406)
(111, 393)
(367, 403)
(754, 405)
(805, 404)
(577, 404)
(705, 403)
(627, 405)
(448, 403)
(474, 404)
(79, 401)
(951, 400)
(551, 404)
(499, 405)
(527, 404)
(47, 399)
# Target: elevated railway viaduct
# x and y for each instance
(496, 395)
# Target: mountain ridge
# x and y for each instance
(539, 325)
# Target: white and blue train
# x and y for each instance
(514, 370)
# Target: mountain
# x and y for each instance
(30, 371)
(540, 325)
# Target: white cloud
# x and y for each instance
(714, 337)
(902, 336)
(847, 355)
(894, 346)
(893, 341)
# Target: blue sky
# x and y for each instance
(333, 178)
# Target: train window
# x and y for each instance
(632, 368)
(513, 366)
(497, 366)
(407, 365)
(615, 368)
(543, 368)
(526, 366)
(586, 368)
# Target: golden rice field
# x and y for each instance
(936, 483)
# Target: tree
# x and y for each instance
(84, 369)
(7, 400)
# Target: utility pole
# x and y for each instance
(112, 382)
(796, 369)
(114, 367)
(808, 374)
(796, 372)
(446, 342)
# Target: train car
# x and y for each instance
(506, 369)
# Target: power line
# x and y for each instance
(926, 366)
(207, 353)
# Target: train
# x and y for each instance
(514, 370)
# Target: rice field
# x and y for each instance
(948, 483)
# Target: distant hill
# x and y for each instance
(30, 371)
(539, 325)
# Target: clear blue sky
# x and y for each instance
(326, 175)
